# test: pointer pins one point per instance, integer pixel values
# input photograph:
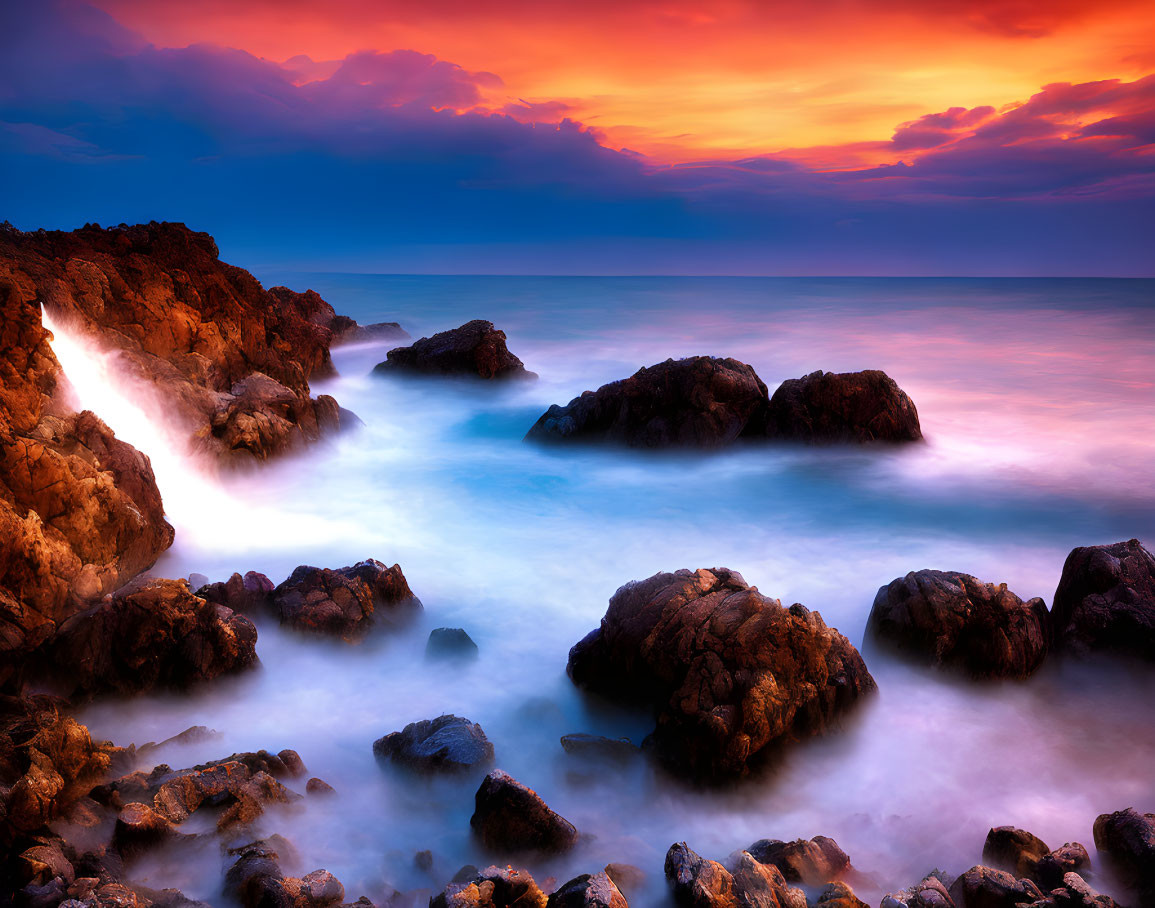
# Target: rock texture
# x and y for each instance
(700, 883)
(151, 634)
(588, 891)
(956, 621)
(700, 402)
(257, 880)
(444, 744)
(825, 407)
(493, 887)
(1014, 850)
(729, 672)
(476, 349)
(813, 862)
(1126, 839)
(346, 331)
(1106, 601)
(230, 361)
(932, 892)
(510, 817)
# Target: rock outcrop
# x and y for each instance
(730, 673)
(813, 862)
(595, 890)
(1106, 601)
(493, 887)
(511, 817)
(444, 744)
(828, 407)
(477, 349)
(932, 892)
(257, 880)
(229, 360)
(746, 883)
(956, 621)
(699, 402)
(150, 634)
(450, 644)
(1126, 839)
(1028, 857)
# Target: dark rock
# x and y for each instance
(839, 895)
(493, 887)
(1014, 850)
(1054, 867)
(932, 892)
(249, 595)
(730, 672)
(700, 402)
(423, 860)
(955, 621)
(139, 828)
(444, 744)
(509, 816)
(825, 407)
(1074, 892)
(475, 349)
(450, 643)
(194, 734)
(345, 602)
(588, 891)
(347, 331)
(319, 787)
(1106, 601)
(1126, 839)
(700, 883)
(42, 863)
(984, 887)
(151, 634)
(814, 862)
(595, 747)
(257, 879)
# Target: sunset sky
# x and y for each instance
(957, 137)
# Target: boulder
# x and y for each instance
(730, 673)
(1053, 867)
(700, 402)
(828, 407)
(932, 892)
(249, 595)
(510, 816)
(700, 883)
(1106, 601)
(1126, 839)
(813, 862)
(346, 331)
(151, 634)
(475, 349)
(447, 643)
(955, 621)
(319, 787)
(588, 891)
(444, 744)
(985, 887)
(139, 828)
(346, 602)
(1014, 850)
(839, 895)
(493, 887)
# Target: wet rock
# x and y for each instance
(319, 787)
(588, 891)
(42, 863)
(1074, 892)
(932, 892)
(700, 883)
(828, 407)
(596, 747)
(139, 828)
(730, 672)
(256, 875)
(510, 816)
(444, 744)
(699, 402)
(346, 602)
(248, 595)
(985, 887)
(1014, 850)
(493, 887)
(1054, 867)
(628, 878)
(814, 862)
(839, 895)
(956, 621)
(151, 634)
(346, 331)
(320, 889)
(475, 349)
(450, 643)
(1106, 601)
(1126, 839)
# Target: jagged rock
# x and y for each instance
(1054, 867)
(1106, 601)
(249, 595)
(932, 892)
(700, 883)
(346, 331)
(700, 402)
(450, 643)
(985, 887)
(41, 863)
(730, 672)
(1126, 839)
(493, 887)
(839, 895)
(475, 349)
(956, 621)
(346, 602)
(596, 747)
(825, 407)
(509, 816)
(588, 891)
(1014, 850)
(444, 744)
(814, 862)
(152, 633)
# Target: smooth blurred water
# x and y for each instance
(1037, 399)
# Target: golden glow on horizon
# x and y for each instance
(683, 81)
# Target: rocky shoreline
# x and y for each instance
(731, 676)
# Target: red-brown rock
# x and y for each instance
(476, 349)
(828, 407)
(346, 602)
(511, 817)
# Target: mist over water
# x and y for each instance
(1037, 399)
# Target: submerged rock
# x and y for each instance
(826, 407)
(450, 643)
(346, 331)
(475, 349)
(956, 621)
(814, 862)
(345, 602)
(598, 748)
(445, 744)
(510, 816)
(729, 672)
(1106, 601)
(152, 634)
(588, 891)
(699, 402)
(1126, 839)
